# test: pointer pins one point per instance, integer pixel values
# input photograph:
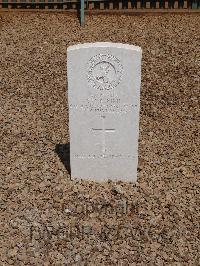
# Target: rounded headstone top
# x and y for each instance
(106, 45)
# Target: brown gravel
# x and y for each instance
(47, 219)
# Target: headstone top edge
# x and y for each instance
(104, 44)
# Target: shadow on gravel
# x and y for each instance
(63, 151)
(78, 8)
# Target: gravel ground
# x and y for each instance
(47, 219)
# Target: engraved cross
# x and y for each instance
(104, 131)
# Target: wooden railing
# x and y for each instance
(101, 4)
(137, 6)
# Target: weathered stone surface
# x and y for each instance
(104, 91)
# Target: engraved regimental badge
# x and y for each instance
(104, 72)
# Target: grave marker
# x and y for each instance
(103, 95)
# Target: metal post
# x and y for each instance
(82, 13)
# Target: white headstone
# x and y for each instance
(104, 99)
